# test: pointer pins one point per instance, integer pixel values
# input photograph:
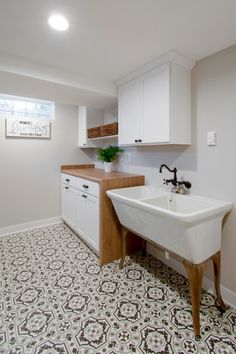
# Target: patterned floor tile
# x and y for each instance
(55, 299)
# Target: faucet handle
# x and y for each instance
(188, 184)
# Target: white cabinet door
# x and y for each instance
(93, 228)
(130, 112)
(82, 127)
(87, 118)
(155, 109)
(68, 204)
(156, 106)
(87, 218)
(80, 220)
(81, 210)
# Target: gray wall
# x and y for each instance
(212, 170)
(214, 173)
(30, 178)
(30, 169)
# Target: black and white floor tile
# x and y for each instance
(55, 299)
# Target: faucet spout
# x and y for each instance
(164, 165)
(174, 180)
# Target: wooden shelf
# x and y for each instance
(104, 137)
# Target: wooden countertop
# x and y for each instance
(94, 174)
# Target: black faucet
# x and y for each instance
(177, 184)
(173, 180)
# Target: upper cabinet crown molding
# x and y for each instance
(171, 56)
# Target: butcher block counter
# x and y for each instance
(84, 187)
(96, 174)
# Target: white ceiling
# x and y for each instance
(109, 38)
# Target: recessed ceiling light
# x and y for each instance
(58, 22)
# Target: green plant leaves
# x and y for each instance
(108, 154)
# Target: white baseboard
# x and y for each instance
(228, 295)
(29, 225)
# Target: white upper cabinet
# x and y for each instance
(154, 107)
(82, 127)
(87, 118)
(130, 109)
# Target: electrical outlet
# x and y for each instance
(129, 156)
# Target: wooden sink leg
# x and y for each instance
(144, 247)
(195, 275)
(216, 264)
(124, 233)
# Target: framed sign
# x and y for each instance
(28, 128)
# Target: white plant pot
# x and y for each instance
(108, 166)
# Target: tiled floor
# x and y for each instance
(55, 299)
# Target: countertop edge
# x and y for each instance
(115, 175)
(72, 167)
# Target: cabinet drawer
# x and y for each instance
(88, 187)
(69, 180)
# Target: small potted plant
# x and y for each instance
(107, 155)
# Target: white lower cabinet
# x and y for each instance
(68, 205)
(87, 218)
(81, 210)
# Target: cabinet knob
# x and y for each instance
(66, 187)
(67, 180)
(84, 196)
(139, 140)
(85, 186)
(136, 140)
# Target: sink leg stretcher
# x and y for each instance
(195, 276)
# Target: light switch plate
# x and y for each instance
(211, 138)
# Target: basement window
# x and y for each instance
(16, 107)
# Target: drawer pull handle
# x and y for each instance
(67, 180)
(66, 187)
(85, 186)
(84, 196)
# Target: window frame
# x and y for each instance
(27, 115)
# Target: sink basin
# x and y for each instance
(188, 208)
(187, 225)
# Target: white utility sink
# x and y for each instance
(187, 225)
